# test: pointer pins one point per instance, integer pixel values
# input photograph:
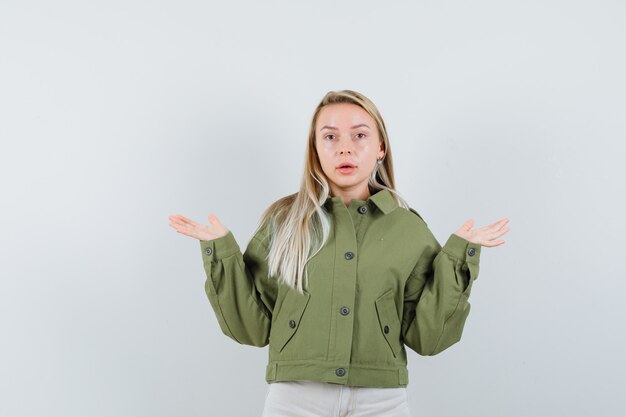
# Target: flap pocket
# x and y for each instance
(288, 319)
(389, 321)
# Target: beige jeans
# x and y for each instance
(321, 399)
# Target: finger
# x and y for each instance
(495, 226)
(500, 223)
(190, 223)
(179, 218)
(182, 222)
(488, 237)
(187, 233)
(214, 220)
(491, 244)
(497, 233)
(178, 222)
(174, 222)
(501, 232)
(181, 227)
(185, 219)
(176, 217)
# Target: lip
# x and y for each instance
(346, 168)
(345, 164)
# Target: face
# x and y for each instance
(348, 144)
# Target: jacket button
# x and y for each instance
(208, 251)
(340, 372)
(292, 324)
(349, 255)
(386, 329)
(471, 251)
(363, 209)
(344, 311)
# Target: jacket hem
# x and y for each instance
(353, 375)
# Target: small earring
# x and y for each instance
(379, 161)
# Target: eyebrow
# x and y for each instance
(353, 127)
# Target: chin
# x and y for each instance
(347, 184)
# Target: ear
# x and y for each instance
(381, 150)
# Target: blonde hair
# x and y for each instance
(298, 225)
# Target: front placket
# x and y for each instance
(344, 289)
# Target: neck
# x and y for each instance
(349, 195)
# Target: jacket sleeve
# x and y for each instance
(436, 294)
(239, 289)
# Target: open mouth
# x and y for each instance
(346, 168)
(346, 165)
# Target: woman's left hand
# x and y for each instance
(486, 235)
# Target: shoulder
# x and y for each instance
(411, 223)
(391, 199)
(409, 215)
(412, 210)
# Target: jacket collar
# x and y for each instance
(382, 199)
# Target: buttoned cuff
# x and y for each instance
(219, 248)
(462, 249)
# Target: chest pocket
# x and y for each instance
(389, 321)
(289, 318)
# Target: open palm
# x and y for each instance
(197, 230)
(486, 235)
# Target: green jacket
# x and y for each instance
(382, 282)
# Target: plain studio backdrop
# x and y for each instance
(116, 114)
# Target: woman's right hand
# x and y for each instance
(200, 231)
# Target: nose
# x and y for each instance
(345, 147)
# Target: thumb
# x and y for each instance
(468, 225)
(213, 219)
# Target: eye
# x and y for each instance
(361, 135)
(327, 136)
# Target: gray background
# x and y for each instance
(116, 114)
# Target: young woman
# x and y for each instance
(339, 277)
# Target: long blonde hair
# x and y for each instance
(298, 225)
